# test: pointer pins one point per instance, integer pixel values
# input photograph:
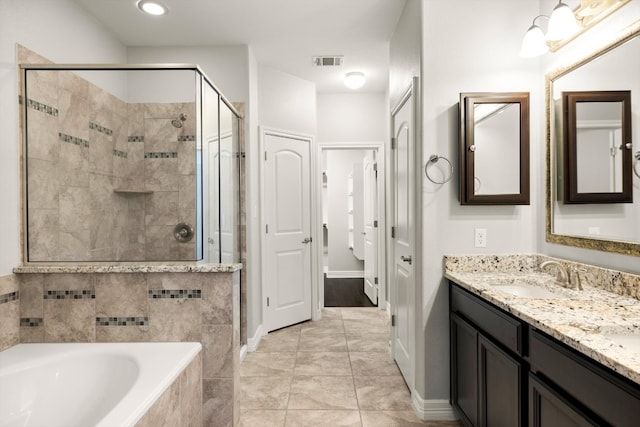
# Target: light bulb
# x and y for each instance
(562, 23)
(152, 7)
(533, 43)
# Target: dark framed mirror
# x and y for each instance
(597, 147)
(494, 148)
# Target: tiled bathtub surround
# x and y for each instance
(180, 404)
(9, 311)
(581, 319)
(135, 304)
(83, 143)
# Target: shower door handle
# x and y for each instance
(307, 240)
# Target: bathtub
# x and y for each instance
(96, 384)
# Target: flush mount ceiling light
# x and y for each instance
(354, 80)
(152, 7)
(565, 25)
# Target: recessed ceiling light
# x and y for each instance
(354, 80)
(152, 7)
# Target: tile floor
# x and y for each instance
(334, 372)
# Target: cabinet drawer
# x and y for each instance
(611, 398)
(501, 326)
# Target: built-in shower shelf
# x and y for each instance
(131, 191)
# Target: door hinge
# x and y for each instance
(393, 143)
(267, 301)
(393, 320)
(266, 228)
(393, 232)
(375, 281)
(265, 156)
(375, 167)
(375, 223)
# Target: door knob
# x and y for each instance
(307, 240)
(406, 259)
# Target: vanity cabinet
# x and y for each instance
(487, 370)
(505, 372)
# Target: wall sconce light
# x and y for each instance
(565, 25)
(354, 80)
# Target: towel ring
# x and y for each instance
(434, 159)
(636, 161)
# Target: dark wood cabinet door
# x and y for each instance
(464, 370)
(500, 386)
(548, 409)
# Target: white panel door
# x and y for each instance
(287, 206)
(370, 230)
(403, 287)
(226, 209)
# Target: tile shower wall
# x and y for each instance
(9, 311)
(108, 180)
(143, 307)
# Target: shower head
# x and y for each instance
(178, 121)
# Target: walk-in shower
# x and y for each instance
(129, 163)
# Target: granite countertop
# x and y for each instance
(191, 267)
(583, 319)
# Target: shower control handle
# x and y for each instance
(406, 259)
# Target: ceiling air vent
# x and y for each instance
(328, 61)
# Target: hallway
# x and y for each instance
(334, 372)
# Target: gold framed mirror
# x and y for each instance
(611, 227)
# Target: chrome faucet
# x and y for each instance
(564, 277)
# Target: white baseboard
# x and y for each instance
(345, 274)
(432, 410)
(253, 342)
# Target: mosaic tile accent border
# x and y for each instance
(44, 108)
(122, 321)
(9, 297)
(184, 138)
(135, 139)
(31, 322)
(175, 293)
(119, 153)
(73, 140)
(70, 295)
(100, 129)
(172, 155)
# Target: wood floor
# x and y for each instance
(345, 293)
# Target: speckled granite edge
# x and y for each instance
(618, 282)
(581, 319)
(130, 268)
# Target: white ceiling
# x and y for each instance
(284, 34)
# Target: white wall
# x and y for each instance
(339, 165)
(226, 66)
(480, 54)
(286, 102)
(64, 33)
(352, 117)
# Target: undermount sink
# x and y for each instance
(630, 341)
(527, 291)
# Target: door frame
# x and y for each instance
(411, 94)
(379, 148)
(263, 131)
